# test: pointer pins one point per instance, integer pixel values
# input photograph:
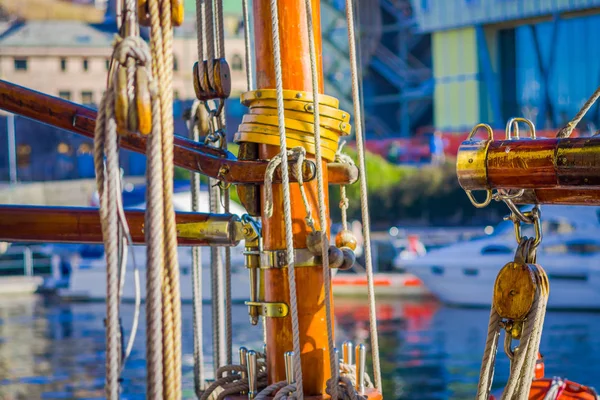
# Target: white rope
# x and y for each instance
(209, 29)
(344, 201)
(486, 374)
(364, 202)
(567, 130)
(248, 55)
(286, 198)
(194, 134)
(321, 195)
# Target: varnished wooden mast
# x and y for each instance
(311, 296)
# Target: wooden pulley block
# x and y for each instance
(143, 101)
(122, 98)
(222, 78)
(143, 12)
(514, 290)
(177, 12)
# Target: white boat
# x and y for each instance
(24, 269)
(464, 273)
(88, 266)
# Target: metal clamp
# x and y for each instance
(278, 259)
(270, 310)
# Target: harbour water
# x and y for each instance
(55, 350)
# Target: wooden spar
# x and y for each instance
(82, 225)
(209, 161)
(310, 291)
(554, 171)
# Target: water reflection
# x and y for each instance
(52, 350)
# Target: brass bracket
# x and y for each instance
(278, 259)
(270, 310)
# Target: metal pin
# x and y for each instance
(252, 374)
(289, 367)
(361, 360)
(347, 352)
(243, 362)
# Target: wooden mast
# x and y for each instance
(295, 58)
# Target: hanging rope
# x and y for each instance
(114, 225)
(248, 55)
(286, 199)
(321, 195)
(344, 201)
(161, 40)
(360, 146)
(194, 134)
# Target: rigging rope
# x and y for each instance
(344, 201)
(248, 55)
(360, 146)
(567, 130)
(321, 195)
(286, 198)
(128, 51)
(194, 134)
(162, 62)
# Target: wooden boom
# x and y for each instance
(82, 225)
(209, 161)
(553, 171)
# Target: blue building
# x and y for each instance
(495, 59)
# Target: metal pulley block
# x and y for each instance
(216, 87)
(177, 12)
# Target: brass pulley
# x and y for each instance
(261, 125)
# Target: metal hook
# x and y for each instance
(486, 202)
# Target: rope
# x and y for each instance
(194, 134)
(567, 130)
(162, 57)
(248, 56)
(360, 146)
(286, 198)
(209, 30)
(344, 201)
(224, 191)
(321, 193)
(486, 373)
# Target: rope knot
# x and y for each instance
(131, 47)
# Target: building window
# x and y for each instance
(85, 64)
(175, 64)
(107, 65)
(64, 94)
(20, 64)
(63, 64)
(87, 97)
(176, 95)
(237, 64)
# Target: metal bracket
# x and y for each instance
(270, 310)
(278, 259)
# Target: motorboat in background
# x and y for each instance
(464, 273)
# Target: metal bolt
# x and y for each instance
(361, 360)
(470, 160)
(252, 374)
(347, 352)
(298, 95)
(289, 367)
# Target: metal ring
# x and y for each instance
(488, 198)
(514, 122)
(488, 128)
